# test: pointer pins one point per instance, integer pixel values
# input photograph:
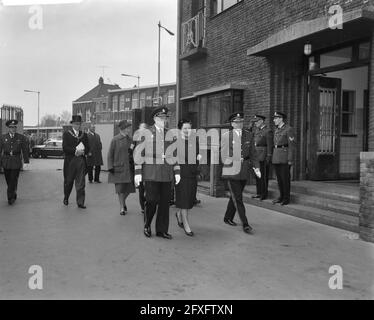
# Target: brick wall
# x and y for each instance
(367, 196)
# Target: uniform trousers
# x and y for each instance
(11, 177)
(90, 173)
(263, 182)
(75, 171)
(282, 171)
(141, 195)
(157, 195)
(236, 204)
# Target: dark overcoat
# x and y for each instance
(119, 159)
(95, 157)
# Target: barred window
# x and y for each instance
(348, 112)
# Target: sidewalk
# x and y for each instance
(98, 254)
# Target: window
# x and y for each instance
(219, 108)
(142, 100)
(171, 96)
(348, 112)
(122, 102)
(148, 99)
(134, 103)
(222, 5)
(114, 103)
(127, 101)
(364, 51)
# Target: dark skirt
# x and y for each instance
(124, 187)
(185, 193)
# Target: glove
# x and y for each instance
(199, 157)
(257, 172)
(177, 179)
(111, 170)
(137, 179)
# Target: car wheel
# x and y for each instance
(35, 155)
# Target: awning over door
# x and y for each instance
(357, 23)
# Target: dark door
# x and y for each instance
(324, 128)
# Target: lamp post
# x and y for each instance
(138, 77)
(159, 49)
(38, 92)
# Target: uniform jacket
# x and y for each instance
(120, 159)
(70, 142)
(156, 167)
(13, 150)
(263, 140)
(284, 145)
(95, 157)
(238, 166)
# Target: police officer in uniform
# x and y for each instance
(13, 147)
(263, 139)
(283, 154)
(75, 146)
(157, 174)
(237, 153)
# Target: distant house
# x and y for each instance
(93, 100)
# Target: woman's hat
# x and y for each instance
(123, 124)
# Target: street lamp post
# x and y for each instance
(159, 49)
(38, 92)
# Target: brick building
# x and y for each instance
(93, 101)
(309, 59)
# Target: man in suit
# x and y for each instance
(283, 156)
(239, 158)
(263, 139)
(13, 148)
(75, 146)
(157, 174)
(94, 157)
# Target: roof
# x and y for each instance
(100, 90)
(144, 87)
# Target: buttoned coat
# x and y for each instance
(263, 140)
(70, 142)
(238, 156)
(12, 150)
(95, 157)
(119, 159)
(284, 145)
(158, 165)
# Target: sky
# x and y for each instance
(62, 59)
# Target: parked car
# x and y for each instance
(52, 148)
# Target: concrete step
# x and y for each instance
(323, 216)
(316, 201)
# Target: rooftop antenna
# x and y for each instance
(103, 70)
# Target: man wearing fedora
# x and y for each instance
(13, 148)
(283, 156)
(157, 174)
(239, 159)
(75, 146)
(263, 140)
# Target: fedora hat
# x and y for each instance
(76, 118)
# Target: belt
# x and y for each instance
(260, 145)
(11, 154)
(281, 146)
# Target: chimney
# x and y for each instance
(101, 80)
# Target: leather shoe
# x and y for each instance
(277, 201)
(230, 222)
(180, 223)
(147, 232)
(256, 196)
(66, 202)
(262, 198)
(11, 201)
(284, 203)
(164, 235)
(81, 206)
(247, 229)
(98, 181)
(123, 212)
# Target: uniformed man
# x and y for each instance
(157, 174)
(237, 153)
(283, 156)
(13, 148)
(263, 139)
(75, 146)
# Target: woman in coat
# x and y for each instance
(186, 190)
(120, 165)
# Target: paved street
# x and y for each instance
(97, 253)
